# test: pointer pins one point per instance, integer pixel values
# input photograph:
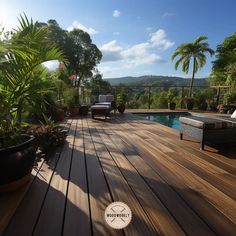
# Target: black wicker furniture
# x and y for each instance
(100, 110)
(208, 130)
(105, 105)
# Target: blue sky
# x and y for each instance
(136, 37)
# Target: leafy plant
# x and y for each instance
(121, 98)
(172, 94)
(48, 135)
(229, 98)
(21, 72)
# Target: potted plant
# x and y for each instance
(189, 103)
(213, 105)
(171, 96)
(121, 100)
(202, 104)
(17, 154)
(71, 98)
(20, 69)
(48, 135)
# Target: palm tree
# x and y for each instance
(196, 50)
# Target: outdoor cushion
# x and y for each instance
(104, 104)
(102, 98)
(206, 122)
(100, 107)
(109, 98)
(234, 115)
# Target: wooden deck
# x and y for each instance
(171, 186)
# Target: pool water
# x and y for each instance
(168, 119)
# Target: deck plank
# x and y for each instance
(77, 214)
(121, 191)
(215, 157)
(99, 194)
(205, 170)
(182, 213)
(193, 190)
(54, 203)
(158, 214)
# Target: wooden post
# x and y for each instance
(182, 96)
(218, 96)
(149, 97)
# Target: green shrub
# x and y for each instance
(160, 100)
(229, 98)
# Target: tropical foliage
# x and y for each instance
(195, 51)
(224, 67)
(23, 81)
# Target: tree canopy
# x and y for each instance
(81, 54)
(224, 67)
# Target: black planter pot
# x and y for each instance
(203, 106)
(189, 105)
(16, 163)
(121, 108)
(171, 105)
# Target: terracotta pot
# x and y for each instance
(74, 111)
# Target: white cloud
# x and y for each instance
(158, 39)
(132, 56)
(116, 13)
(118, 59)
(138, 54)
(168, 14)
(111, 46)
(111, 51)
(78, 25)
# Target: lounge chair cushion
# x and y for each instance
(234, 115)
(206, 122)
(100, 107)
(104, 104)
(109, 98)
(102, 98)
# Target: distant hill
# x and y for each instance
(157, 80)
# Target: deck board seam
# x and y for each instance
(68, 180)
(87, 180)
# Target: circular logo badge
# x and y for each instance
(118, 215)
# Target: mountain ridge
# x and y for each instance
(156, 80)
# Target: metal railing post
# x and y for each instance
(149, 97)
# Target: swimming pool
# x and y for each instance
(170, 119)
